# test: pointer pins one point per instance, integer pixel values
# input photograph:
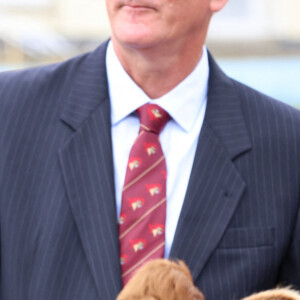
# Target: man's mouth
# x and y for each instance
(137, 5)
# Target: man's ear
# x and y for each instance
(217, 5)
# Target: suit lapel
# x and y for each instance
(87, 167)
(215, 185)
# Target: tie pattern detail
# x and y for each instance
(143, 212)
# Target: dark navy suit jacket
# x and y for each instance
(239, 229)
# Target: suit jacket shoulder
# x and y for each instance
(35, 99)
(22, 87)
(262, 114)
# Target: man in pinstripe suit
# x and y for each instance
(233, 171)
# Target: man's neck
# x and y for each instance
(157, 71)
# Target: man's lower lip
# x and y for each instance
(137, 8)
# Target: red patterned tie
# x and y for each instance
(143, 212)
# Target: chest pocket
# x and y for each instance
(251, 237)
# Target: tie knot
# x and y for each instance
(152, 118)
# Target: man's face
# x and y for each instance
(147, 23)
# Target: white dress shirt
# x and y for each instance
(186, 104)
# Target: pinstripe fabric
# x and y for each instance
(239, 230)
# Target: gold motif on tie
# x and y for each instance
(138, 245)
(156, 113)
(153, 189)
(136, 203)
(134, 163)
(122, 219)
(123, 259)
(157, 229)
(151, 148)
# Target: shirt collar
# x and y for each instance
(183, 103)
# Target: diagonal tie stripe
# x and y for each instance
(143, 211)
(142, 217)
(143, 174)
(143, 260)
(145, 127)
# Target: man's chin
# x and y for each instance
(138, 39)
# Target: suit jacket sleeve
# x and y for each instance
(290, 273)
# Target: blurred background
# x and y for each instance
(256, 41)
